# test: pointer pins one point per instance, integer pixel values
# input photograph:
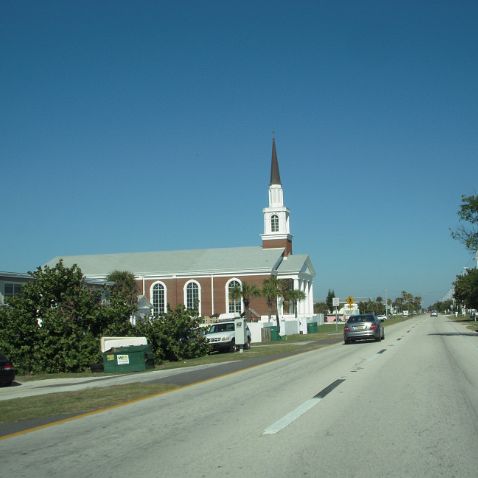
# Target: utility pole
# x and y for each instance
(386, 304)
(335, 303)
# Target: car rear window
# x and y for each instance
(360, 318)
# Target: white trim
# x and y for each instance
(165, 295)
(207, 276)
(212, 295)
(185, 288)
(227, 294)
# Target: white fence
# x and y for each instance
(288, 325)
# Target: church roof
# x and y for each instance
(237, 260)
(293, 264)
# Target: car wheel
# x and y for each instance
(233, 346)
(247, 345)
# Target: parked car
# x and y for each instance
(363, 326)
(434, 313)
(7, 371)
(222, 337)
(381, 317)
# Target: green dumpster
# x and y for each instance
(275, 336)
(312, 328)
(133, 358)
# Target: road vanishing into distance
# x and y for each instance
(404, 407)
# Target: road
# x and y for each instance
(405, 407)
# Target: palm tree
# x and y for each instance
(271, 291)
(246, 292)
(294, 295)
(236, 293)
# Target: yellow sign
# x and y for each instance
(350, 300)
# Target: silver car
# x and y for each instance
(362, 327)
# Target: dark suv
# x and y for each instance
(363, 326)
(7, 371)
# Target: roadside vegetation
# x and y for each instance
(56, 323)
(61, 405)
(466, 285)
(378, 306)
(470, 322)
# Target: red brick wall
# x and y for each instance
(285, 243)
(175, 292)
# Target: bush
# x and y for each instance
(55, 324)
(175, 335)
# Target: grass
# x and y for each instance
(71, 403)
(466, 320)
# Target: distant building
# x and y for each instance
(11, 284)
(205, 278)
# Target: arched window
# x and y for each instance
(234, 302)
(192, 296)
(275, 223)
(158, 298)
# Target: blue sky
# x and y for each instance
(142, 126)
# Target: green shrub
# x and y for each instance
(175, 335)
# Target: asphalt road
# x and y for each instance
(405, 407)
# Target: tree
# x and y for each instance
(55, 324)
(370, 306)
(52, 325)
(329, 300)
(466, 289)
(295, 295)
(122, 304)
(246, 291)
(124, 288)
(175, 335)
(19, 335)
(442, 306)
(271, 291)
(407, 301)
(468, 212)
(321, 308)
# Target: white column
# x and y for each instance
(297, 287)
(300, 305)
(306, 300)
(303, 306)
(310, 303)
(212, 295)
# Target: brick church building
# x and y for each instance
(206, 277)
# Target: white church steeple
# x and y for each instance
(276, 216)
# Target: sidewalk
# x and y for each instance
(55, 385)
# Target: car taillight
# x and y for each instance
(373, 326)
(7, 366)
(346, 329)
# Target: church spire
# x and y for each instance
(275, 175)
(276, 216)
